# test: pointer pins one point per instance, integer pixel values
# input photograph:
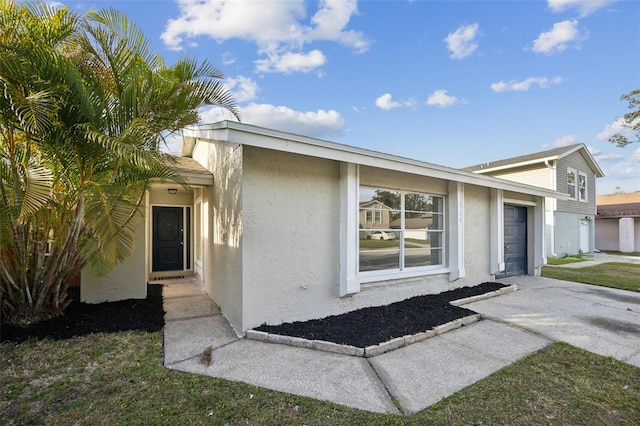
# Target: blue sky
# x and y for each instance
(454, 83)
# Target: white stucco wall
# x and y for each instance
(125, 281)
(291, 239)
(477, 224)
(223, 227)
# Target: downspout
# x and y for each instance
(552, 203)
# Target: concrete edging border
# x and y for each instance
(390, 345)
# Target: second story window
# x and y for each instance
(571, 183)
(582, 187)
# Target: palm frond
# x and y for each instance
(38, 182)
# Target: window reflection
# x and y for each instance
(400, 230)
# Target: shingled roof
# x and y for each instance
(618, 205)
(192, 171)
(537, 157)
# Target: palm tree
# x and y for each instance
(84, 108)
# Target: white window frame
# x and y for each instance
(406, 272)
(579, 188)
(575, 183)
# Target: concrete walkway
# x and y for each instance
(598, 258)
(601, 320)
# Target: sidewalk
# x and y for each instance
(598, 258)
(542, 311)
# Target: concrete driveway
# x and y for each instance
(410, 379)
(601, 320)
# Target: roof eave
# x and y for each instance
(245, 134)
(516, 165)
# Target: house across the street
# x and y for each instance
(618, 222)
(571, 170)
(278, 227)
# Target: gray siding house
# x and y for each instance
(571, 170)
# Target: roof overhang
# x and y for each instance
(588, 158)
(245, 134)
(193, 173)
(547, 161)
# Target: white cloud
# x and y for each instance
(558, 38)
(243, 89)
(259, 21)
(291, 62)
(584, 7)
(462, 42)
(441, 99)
(172, 144)
(278, 28)
(607, 158)
(55, 4)
(565, 141)
(601, 157)
(319, 123)
(618, 126)
(228, 59)
(330, 21)
(525, 85)
(386, 102)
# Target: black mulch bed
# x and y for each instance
(374, 325)
(82, 318)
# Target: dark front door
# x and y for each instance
(515, 241)
(168, 242)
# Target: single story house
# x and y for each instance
(270, 227)
(618, 222)
(569, 169)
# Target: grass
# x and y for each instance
(624, 276)
(118, 378)
(564, 260)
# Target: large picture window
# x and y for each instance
(409, 233)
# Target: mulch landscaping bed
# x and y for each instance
(82, 318)
(374, 325)
(361, 328)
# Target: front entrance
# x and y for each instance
(168, 239)
(515, 241)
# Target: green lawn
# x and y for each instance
(564, 260)
(625, 276)
(118, 379)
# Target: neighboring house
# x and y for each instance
(374, 215)
(618, 222)
(270, 226)
(570, 170)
